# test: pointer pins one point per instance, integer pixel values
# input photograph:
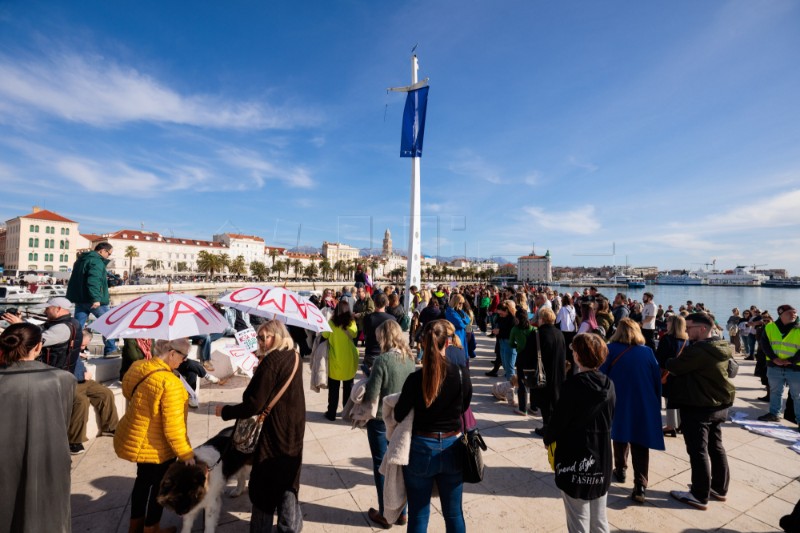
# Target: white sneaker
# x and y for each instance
(211, 378)
(193, 403)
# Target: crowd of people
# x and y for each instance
(594, 369)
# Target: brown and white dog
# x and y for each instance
(190, 489)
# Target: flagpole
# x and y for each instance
(414, 246)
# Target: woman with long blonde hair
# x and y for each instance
(439, 393)
(389, 372)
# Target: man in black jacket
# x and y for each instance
(703, 392)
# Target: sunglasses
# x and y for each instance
(183, 355)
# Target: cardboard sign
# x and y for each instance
(247, 339)
(230, 359)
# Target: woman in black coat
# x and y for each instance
(275, 478)
(554, 360)
(581, 430)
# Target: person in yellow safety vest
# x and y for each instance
(783, 361)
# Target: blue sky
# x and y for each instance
(669, 128)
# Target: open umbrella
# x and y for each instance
(161, 315)
(278, 303)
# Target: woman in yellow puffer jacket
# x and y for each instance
(153, 431)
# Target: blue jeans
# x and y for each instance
(778, 377)
(440, 460)
(749, 344)
(376, 435)
(508, 356)
(82, 312)
(205, 350)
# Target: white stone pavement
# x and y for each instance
(518, 493)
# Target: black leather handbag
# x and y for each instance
(473, 445)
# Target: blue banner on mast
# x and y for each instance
(414, 123)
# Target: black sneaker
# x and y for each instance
(619, 475)
(330, 416)
(638, 493)
(76, 449)
(769, 417)
(491, 373)
(763, 398)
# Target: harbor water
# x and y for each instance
(718, 300)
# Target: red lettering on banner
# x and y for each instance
(189, 311)
(157, 307)
(108, 316)
(314, 311)
(301, 307)
(235, 295)
(265, 301)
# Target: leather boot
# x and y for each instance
(158, 529)
(137, 525)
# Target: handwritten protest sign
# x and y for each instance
(247, 338)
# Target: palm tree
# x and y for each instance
(211, 263)
(225, 261)
(130, 253)
(373, 264)
(278, 268)
(297, 266)
(340, 268)
(312, 270)
(273, 254)
(182, 266)
(154, 264)
(286, 266)
(325, 268)
(238, 267)
(401, 271)
(258, 270)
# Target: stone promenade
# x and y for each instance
(518, 493)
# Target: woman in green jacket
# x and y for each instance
(389, 372)
(342, 356)
(517, 340)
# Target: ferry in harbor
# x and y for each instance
(680, 279)
(782, 283)
(738, 277)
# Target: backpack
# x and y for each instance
(600, 330)
(405, 322)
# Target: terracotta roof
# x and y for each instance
(44, 214)
(533, 257)
(298, 255)
(268, 248)
(91, 237)
(240, 236)
(138, 236)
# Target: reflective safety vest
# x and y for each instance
(783, 347)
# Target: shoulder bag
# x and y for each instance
(536, 378)
(247, 430)
(473, 444)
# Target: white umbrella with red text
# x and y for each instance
(277, 303)
(161, 315)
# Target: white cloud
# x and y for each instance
(579, 221)
(262, 170)
(100, 92)
(583, 165)
(778, 210)
(115, 178)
